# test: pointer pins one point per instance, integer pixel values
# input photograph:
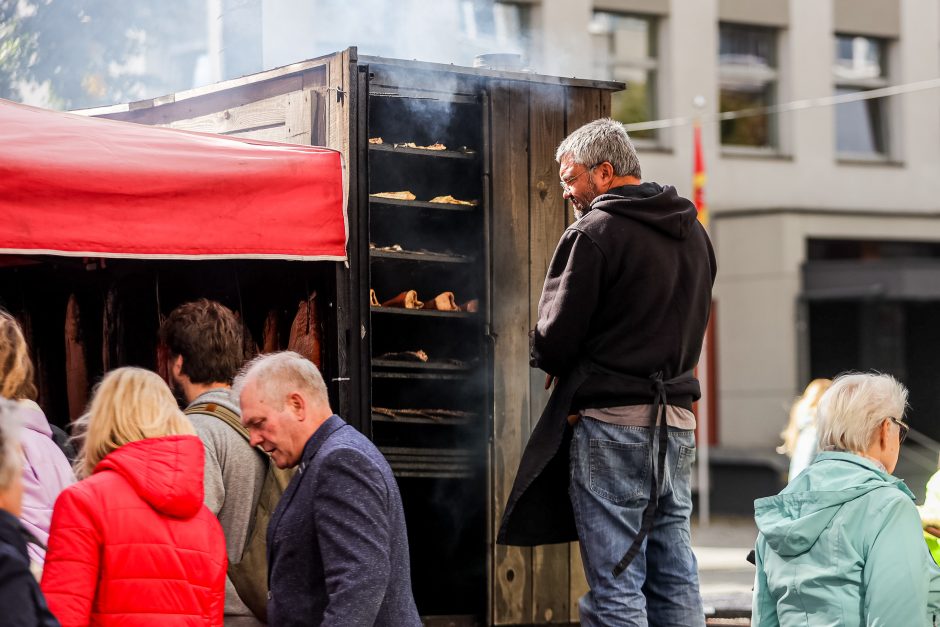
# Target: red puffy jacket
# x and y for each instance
(134, 545)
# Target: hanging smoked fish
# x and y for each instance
(76, 370)
(305, 331)
(163, 363)
(270, 341)
(112, 331)
(163, 351)
(249, 345)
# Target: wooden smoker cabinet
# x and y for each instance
(501, 130)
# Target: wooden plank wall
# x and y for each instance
(550, 570)
(582, 106)
(289, 109)
(512, 566)
(540, 585)
(282, 118)
(333, 115)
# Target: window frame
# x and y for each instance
(883, 126)
(650, 64)
(766, 77)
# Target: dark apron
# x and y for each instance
(539, 508)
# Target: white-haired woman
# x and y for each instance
(132, 543)
(841, 544)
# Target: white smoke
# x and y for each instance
(442, 31)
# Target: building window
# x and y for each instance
(489, 25)
(747, 67)
(625, 50)
(861, 126)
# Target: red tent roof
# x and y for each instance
(74, 185)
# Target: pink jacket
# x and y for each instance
(45, 474)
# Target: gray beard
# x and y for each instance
(578, 214)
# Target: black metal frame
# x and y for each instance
(419, 460)
(354, 383)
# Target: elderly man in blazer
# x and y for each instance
(337, 543)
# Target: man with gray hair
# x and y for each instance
(337, 542)
(621, 322)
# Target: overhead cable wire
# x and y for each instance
(795, 105)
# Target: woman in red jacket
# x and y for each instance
(132, 543)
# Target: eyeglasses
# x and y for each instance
(566, 185)
(903, 429)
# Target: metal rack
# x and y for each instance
(422, 463)
(443, 248)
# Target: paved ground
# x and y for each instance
(725, 576)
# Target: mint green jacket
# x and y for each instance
(841, 545)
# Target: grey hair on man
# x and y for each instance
(851, 411)
(599, 141)
(279, 374)
(11, 459)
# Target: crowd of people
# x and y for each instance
(257, 504)
(196, 517)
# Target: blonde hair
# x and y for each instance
(852, 410)
(16, 368)
(802, 411)
(129, 404)
(11, 457)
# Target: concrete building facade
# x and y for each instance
(826, 218)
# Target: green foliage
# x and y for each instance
(753, 130)
(80, 48)
(15, 47)
(633, 105)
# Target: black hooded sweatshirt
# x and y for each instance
(628, 289)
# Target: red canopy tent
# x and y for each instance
(80, 186)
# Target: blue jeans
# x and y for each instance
(610, 477)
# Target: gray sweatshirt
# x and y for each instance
(233, 478)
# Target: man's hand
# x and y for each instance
(934, 531)
(550, 381)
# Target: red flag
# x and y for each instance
(698, 177)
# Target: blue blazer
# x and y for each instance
(337, 542)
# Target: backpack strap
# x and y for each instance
(221, 412)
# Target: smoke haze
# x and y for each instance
(445, 31)
(72, 54)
